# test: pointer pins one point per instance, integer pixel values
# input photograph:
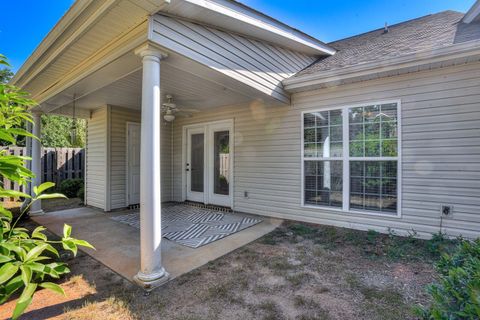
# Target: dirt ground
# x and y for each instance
(48, 205)
(299, 271)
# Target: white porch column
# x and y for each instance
(36, 165)
(151, 274)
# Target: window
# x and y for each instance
(350, 158)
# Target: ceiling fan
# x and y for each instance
(170, 109)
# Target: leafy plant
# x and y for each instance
(457, 293)
(27, 259)
(81, 193)
(56, 132)
(70, 187)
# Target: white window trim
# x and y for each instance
(346, 161)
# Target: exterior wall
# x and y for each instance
(166, 154)
(107, 171)
(440, 152)
(96, 172)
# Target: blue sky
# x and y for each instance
(25, 23)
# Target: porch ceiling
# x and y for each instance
(120, 83)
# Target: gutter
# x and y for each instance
(356, 72)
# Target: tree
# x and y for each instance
(26, 261)
(56, 132)
(5, 75)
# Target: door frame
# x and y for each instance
(127, 167)
(227, 123)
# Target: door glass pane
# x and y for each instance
(196, 165)
(221, 163)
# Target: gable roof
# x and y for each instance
(433, 31)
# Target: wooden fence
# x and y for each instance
(225, 165)
(58, 164)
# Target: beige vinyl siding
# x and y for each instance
(440, 152)
(166, 155)
(118, 155)
(96, 166)
(258, 64)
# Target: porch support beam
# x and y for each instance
(151, 274)
(36, 164)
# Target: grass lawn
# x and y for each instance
(299, 271)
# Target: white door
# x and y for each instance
(209, 163)
(133, 163)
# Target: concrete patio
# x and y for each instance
(118, 244)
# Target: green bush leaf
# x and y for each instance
(26, 274)
(83, 243)
(44, 186)
(24, 300)
(71, 246)
(7, 271)
(10, 288)
(35, 252)
(6, 213)
(52, 286)
(67, 231)
(12, 194)
(4, 259)
(50, 196)
(37, 233)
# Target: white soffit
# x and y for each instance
(236, 17)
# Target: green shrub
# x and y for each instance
(28, 260)
(457, 293)
(81, 193)
(70, 187)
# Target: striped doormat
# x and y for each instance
(193, 226)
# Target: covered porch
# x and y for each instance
(118, 244)
(129, 160)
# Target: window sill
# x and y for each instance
(397, 215)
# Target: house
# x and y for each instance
(378, 131)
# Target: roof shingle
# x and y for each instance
(428, 32)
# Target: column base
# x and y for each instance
(150, 282)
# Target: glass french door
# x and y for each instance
(209, 164)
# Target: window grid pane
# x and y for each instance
(323, 134)
(323, 183)
(373, 131)
(373, 186)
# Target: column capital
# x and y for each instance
(149, 50)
